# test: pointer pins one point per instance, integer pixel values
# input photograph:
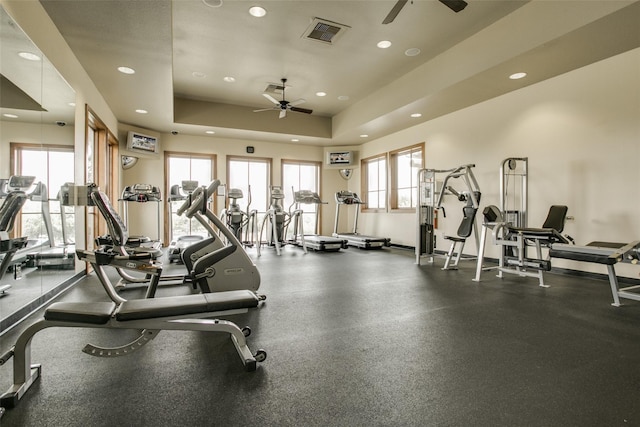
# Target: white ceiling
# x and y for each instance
(465, 58)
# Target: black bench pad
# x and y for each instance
(99, 313)
(95, 313)
(185, 305)
(605, 259)
(585, 257)
(611, 245)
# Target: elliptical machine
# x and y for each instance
(226, 268)
(244, 225)
(277, 218)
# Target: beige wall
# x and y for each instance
(581, 133)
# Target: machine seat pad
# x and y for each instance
(455, 238)
(95, 313)
(154, 253)
(137, 240)
(184, 305)
(610, 245)
(537, 232)
(542, 234)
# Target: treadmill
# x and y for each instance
(48, 254)
(354, 239)
(13, 199)
(315, 241)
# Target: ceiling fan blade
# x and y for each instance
(301, 110)
(297, 102)
(283, 113)
(263, 109)
(455, 5)
(271, 98)
(394, 11)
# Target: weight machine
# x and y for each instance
(510, 229)
(431, 194)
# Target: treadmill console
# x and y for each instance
(141, 193)
(307, 197)
(348, 198)
(20, 183)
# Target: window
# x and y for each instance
(253, 177)
(52, 166)
(102, 160)
(296, 176)
(374, 182)
(186, 167)
(405, 164)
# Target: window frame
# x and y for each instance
(15, 156)
(267, 160)
(318, 166)
(393, 176)
(167, 185)
(364, 181)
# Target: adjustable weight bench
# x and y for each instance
(189, 313)
(606, 253)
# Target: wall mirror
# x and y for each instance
(37, 112)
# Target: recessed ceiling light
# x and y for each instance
(126, 70)
(416, 115)
(343, 98)
(517, 76)
(229, 79)
(295, 140)
(10, 116)
(210, 132)
(414, 51)
(141, 111)
(198, 74)
(321, 93)
(364, 135)
(71, 104)
(384, 44)
(257, 11)
(212, 3)
(29, 56)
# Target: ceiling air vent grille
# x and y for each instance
(324, 31)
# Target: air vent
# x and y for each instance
(325, 31)
(274, 88)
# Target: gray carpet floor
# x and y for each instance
(358, 338)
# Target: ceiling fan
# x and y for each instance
(455, 5)
(284, 105)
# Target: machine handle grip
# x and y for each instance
(6, 356)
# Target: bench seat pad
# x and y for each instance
(95, 313)
(185, 305)
(595, 258)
